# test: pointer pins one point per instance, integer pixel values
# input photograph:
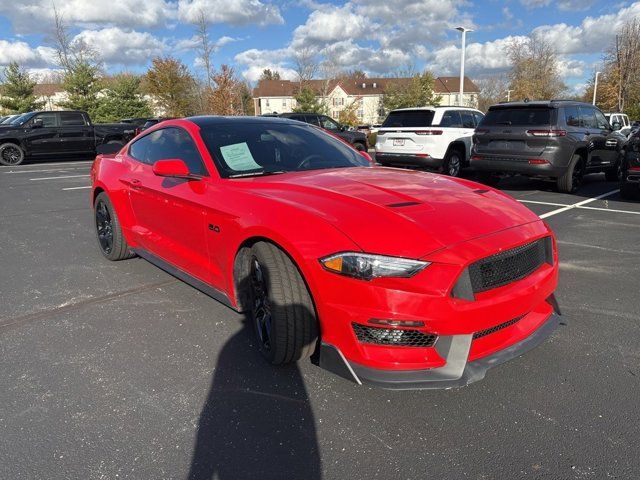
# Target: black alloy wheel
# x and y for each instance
(261, 306)
(104, 226)
(11, 155)
(453, 164)
(577, 176)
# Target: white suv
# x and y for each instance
(428, 137)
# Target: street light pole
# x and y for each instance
(509, 95)
(464, 41)
(595, 88)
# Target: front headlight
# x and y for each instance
(366, 266)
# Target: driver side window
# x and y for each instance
(328, 123)
(48, 119)
(601, 121)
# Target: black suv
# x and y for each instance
(355, 138)
(557, 139)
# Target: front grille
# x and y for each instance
(392, 336)
(489, 331)
(509, 266)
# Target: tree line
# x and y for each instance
(168, 86)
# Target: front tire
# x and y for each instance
(11, 154)
(571, 180)
(111, 241)
(280, 306)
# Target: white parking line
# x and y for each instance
(82, 162)
(59, 170)
(76, 188)
(579, 204)
(54, 178)
(610, 210)
(543, 203)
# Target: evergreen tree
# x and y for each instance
(268, 74)
(82, 84)
(307, 101)
(120, 99)
(17, 91)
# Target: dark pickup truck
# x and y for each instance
(58, 134)
(357, 139)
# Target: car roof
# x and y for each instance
(433, 108)
(541, 103)
(207, 120)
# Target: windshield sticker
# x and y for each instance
(238, 156)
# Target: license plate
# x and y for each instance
(398, 142)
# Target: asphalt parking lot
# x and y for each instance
(118, 370)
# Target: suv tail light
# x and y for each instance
(428, 132)
(547, 133)
(634, 169)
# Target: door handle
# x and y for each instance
(132, 182)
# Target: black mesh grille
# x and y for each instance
(489, 331)
(509, 266)
(391, 336)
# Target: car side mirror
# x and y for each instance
(175, 168)
(616, 125)
(37, 123)
(342, 128)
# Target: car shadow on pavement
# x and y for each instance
(257, 420)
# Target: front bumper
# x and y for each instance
(457, 372)
(408, 160)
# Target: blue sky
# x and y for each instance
(378, 36)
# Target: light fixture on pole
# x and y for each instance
(595, 88)
(464, 31)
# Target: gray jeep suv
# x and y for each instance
(558, 139)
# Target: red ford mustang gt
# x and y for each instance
(396, 278)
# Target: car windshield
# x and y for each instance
(22, 119)
(517, 116)
(409, 118)
(262, 148)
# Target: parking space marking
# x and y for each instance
(579, 204)
(77, 188)
(544, 203)
(63, 176)
(58, 170)
(81, 162)
(610, 210)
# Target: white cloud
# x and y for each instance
(37, 15)
(25, 55)
(252, 74)
(565, 5)
(329, 25)
(194, 43)
(234, 12)
(124, 47)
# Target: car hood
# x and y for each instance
(397, 212)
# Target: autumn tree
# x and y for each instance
(222, 97)
(349, 115)
(417, 91)
(170, 82)
(268, 74)
(535, 72)
(17, 90)
(492, 90)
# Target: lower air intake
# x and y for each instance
(393, 336)
(489, 331)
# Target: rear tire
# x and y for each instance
(11, 154)
(452, 165)
(571, 180)
(111, 241)
(360, 147)
(280, 306)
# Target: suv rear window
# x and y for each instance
(517, 116)
(409, 118)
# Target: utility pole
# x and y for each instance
(595, 88)
(464, 31)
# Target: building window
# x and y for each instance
(284, 102)
(266, 102)
(360, 113)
